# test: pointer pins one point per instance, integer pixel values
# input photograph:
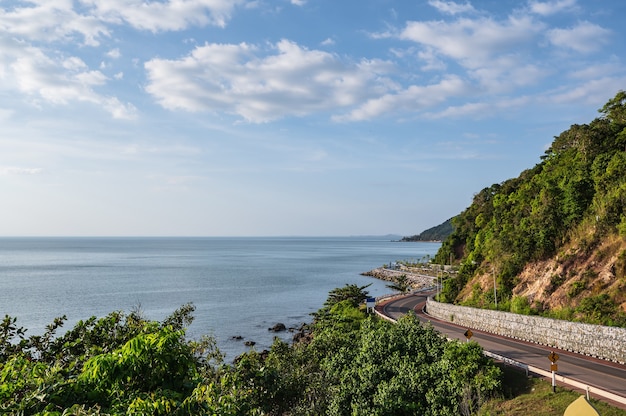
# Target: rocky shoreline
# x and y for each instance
(303, 333)
(300, 334)
(417, 280)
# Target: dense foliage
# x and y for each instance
(577, 191)
(117, 364)
(352, 364)
(400, 283)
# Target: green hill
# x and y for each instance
(555, 236)
(437, 233)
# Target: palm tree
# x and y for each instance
(401, 284)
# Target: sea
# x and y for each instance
(240, 286)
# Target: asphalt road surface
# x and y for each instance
(591, 371)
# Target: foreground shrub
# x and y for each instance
(351, 364)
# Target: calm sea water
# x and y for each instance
(240, 286)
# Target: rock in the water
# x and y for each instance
(278, 328)
(249, 343)
(237, 337)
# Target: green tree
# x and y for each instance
(114, 363)
(401, 283)
(406, 369)
(353, 293)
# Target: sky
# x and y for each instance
(285, 117)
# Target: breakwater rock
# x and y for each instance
(279, 327)
(417, 280)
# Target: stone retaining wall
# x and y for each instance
(604, 342)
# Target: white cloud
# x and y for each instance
(585, 37)
(450, 7)
(238, 79)
(55, 80)
(597, 70)
(12, 170)
(495, 54)
(479, 109)
(44, 75)
(546, 8)
(73, 63)
(495, 57)
(164, 16)
(431, 60)
(469, 41)
(506, 73)
(593, 92)
(114, 53)
(63, 20)
(411, 99)
(49, 21)
(468, 109)
(118, 109)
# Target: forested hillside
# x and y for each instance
(437, 233)
(554, 238)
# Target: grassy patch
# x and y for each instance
(525, 396)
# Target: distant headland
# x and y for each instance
(434, 234)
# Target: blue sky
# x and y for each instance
(286, 117)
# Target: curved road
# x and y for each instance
(594, 372)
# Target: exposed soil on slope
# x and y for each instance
(577, 272)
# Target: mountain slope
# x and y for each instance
(554, 238)
(437, 233)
